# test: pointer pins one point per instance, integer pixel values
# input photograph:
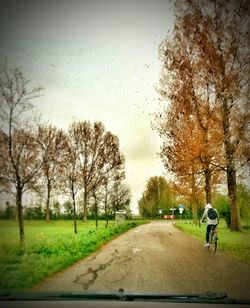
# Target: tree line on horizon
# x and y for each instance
(204, 86)
(160, 196)
(43, 159)
(35, 209)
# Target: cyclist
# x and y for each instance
(212, 217)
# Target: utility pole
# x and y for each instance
(158, 197)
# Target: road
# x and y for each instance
(154, 258)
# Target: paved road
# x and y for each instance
(155, 258)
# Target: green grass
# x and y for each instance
(48, 248)
(234, 243)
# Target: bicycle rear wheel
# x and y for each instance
(213, 243)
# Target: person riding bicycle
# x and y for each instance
(212, 217)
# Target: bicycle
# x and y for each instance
(213, 238)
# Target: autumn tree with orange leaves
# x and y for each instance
(188, 124)
(205, 79)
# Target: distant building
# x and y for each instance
(120, 216)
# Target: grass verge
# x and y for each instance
(234, 243)
(49, 247)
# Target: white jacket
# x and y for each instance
(205, 216)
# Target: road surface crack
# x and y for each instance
(92, 274)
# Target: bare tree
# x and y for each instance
(5, 164)
(53, 143)
(22, 158)
(106, 190)
(21, 168)
(72, 172)
(99, 156)
(120, 197)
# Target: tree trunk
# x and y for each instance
(74, 211)
(207, 173)
(96, 211)
(48, 202)
(231, 172)
(194, 212)
(234, 209)
(20, 213)
(85, 200)
(105, 205)
(194, 206)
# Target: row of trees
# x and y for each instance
(42, 158)
(117, 200)
(205, 81)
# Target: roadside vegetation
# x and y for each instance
(49, 248)
(234, 243)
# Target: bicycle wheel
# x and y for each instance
(215, 240)
(213, 244)
(210, 240)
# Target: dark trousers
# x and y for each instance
(209, 227)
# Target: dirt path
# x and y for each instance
(155, 258)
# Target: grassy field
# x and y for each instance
(234, 243)
(48, 248)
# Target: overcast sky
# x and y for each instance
(97, 60)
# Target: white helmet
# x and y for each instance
(208, 206)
